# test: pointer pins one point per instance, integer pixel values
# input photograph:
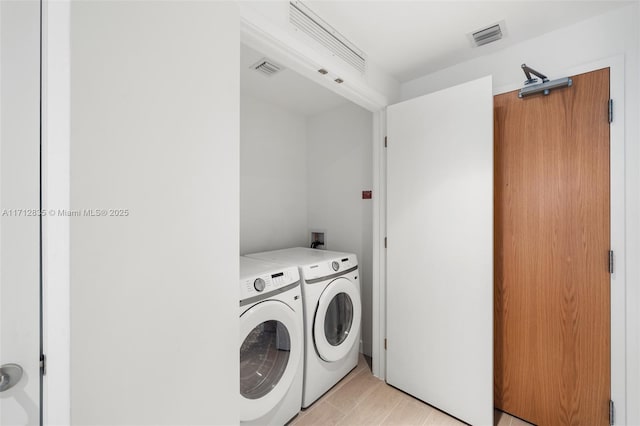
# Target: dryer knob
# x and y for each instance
(259, 284)
(335, 265)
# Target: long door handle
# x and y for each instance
(10, 375)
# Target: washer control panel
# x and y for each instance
(268, 282)
(331, 267)
(259, 284)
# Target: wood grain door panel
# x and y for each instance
(552, 291)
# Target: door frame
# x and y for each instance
(56, 115)
(259, 33)
(618, 231)
(616, 65)
(618, 228)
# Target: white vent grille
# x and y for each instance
(266, 67)
(487, 35)
(305, 20)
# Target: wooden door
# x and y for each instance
(552, 295)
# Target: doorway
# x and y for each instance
(552, 240)
(616, 239)
(306, 163)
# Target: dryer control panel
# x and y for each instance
(268, 282)
(329, 268)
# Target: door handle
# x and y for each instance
(10, 375)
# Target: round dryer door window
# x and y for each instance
(270, 352)
(264, 356)
(337, 320)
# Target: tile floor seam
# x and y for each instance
(325, 397)
(390, 410)
(312, 411)
(342, 383)
(364, 395)
(353, 408)
(431, 414)
(363, 400)
(340, 410)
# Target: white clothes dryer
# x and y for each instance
(332, 314)
(271, 343)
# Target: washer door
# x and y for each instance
(270, 352)
(337, 320)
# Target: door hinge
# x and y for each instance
(385, 242)
(611, 413)
(43, 364)
(385, 141)
(610, 111)
(611, 261)
(385, 344)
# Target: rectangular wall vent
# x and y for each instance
(266, 67)
(306, 21)
(487, 35)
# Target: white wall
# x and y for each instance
(301, 173)
(154, 129)
(273, 177)
(600, 37)
(20, 189)
(339, 168)
(607, 35)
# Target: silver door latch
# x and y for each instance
(10, 375)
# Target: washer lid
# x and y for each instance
(337, 320)
(270, 353)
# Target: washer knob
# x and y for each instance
(259, 284)
(335, 265)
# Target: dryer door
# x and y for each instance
(337, 320)
(270, 352)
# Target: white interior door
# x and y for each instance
(440, 250)
(19, 204)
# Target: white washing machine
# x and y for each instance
(271, 343)
(332, 314)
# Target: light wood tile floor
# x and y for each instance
(361, 399)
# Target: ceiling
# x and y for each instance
(286, 89)
(408, 39)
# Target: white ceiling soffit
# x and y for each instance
(286, 88)
(305, 20)
(409, 39)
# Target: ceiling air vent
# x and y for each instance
(487, 35)
(266, 67)
(306, 21)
